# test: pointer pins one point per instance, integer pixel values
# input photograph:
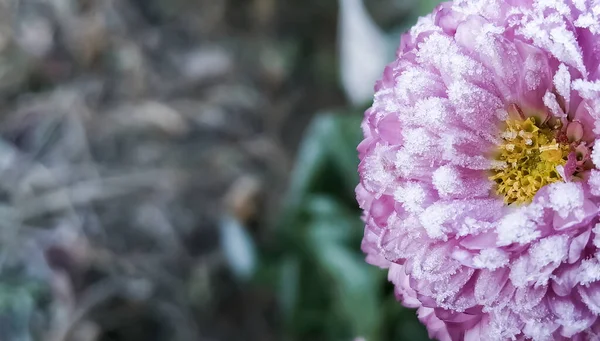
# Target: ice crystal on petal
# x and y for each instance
(435, 217)
(471, 226)
(378, 169)
(558, 5)
(411, 195)
(446, 180)
(520, 226)
(553, 249)
(558, 40)
(504, 326)
(596, 231)
(596, 155)
(565, 197)
(490, 259)
(562, 83)
(552, 103)
(533, 79)
(580, 4)
(588, 21)
(540, 331)
(591, 298)
(418, 141)
(519, 273)
(423, 25)
(594, 182)
(590, 271)
(572, 318)
(432, 111)
(587, 89)
(416, 83)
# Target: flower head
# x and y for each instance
(480, 183)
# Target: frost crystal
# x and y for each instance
(565, 197)
(520, 226)
(490, 259)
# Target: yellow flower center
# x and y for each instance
(529, 156)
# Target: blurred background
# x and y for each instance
(185, 169)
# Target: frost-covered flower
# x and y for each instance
(480, 183)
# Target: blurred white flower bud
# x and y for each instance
(363, 51)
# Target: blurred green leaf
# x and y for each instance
(345, 137)
(426, 6)
(326, 289)
(355, 283)
(328, 232)
(356, 286)
(339, 223)
(17, 304)
(330, 140)
(289, 284)
(401, 322)
(311, 157)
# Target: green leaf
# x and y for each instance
(289, 284)
(326, 289)
(426, 6)
(355, 283)
(345, 137)
(339, 224)
(16, 309)
(310, 160)
(328, 147)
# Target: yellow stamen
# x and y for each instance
(529, 155)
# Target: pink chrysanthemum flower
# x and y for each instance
(480, 183)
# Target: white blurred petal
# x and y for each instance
(363, 51)
(238, 247)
